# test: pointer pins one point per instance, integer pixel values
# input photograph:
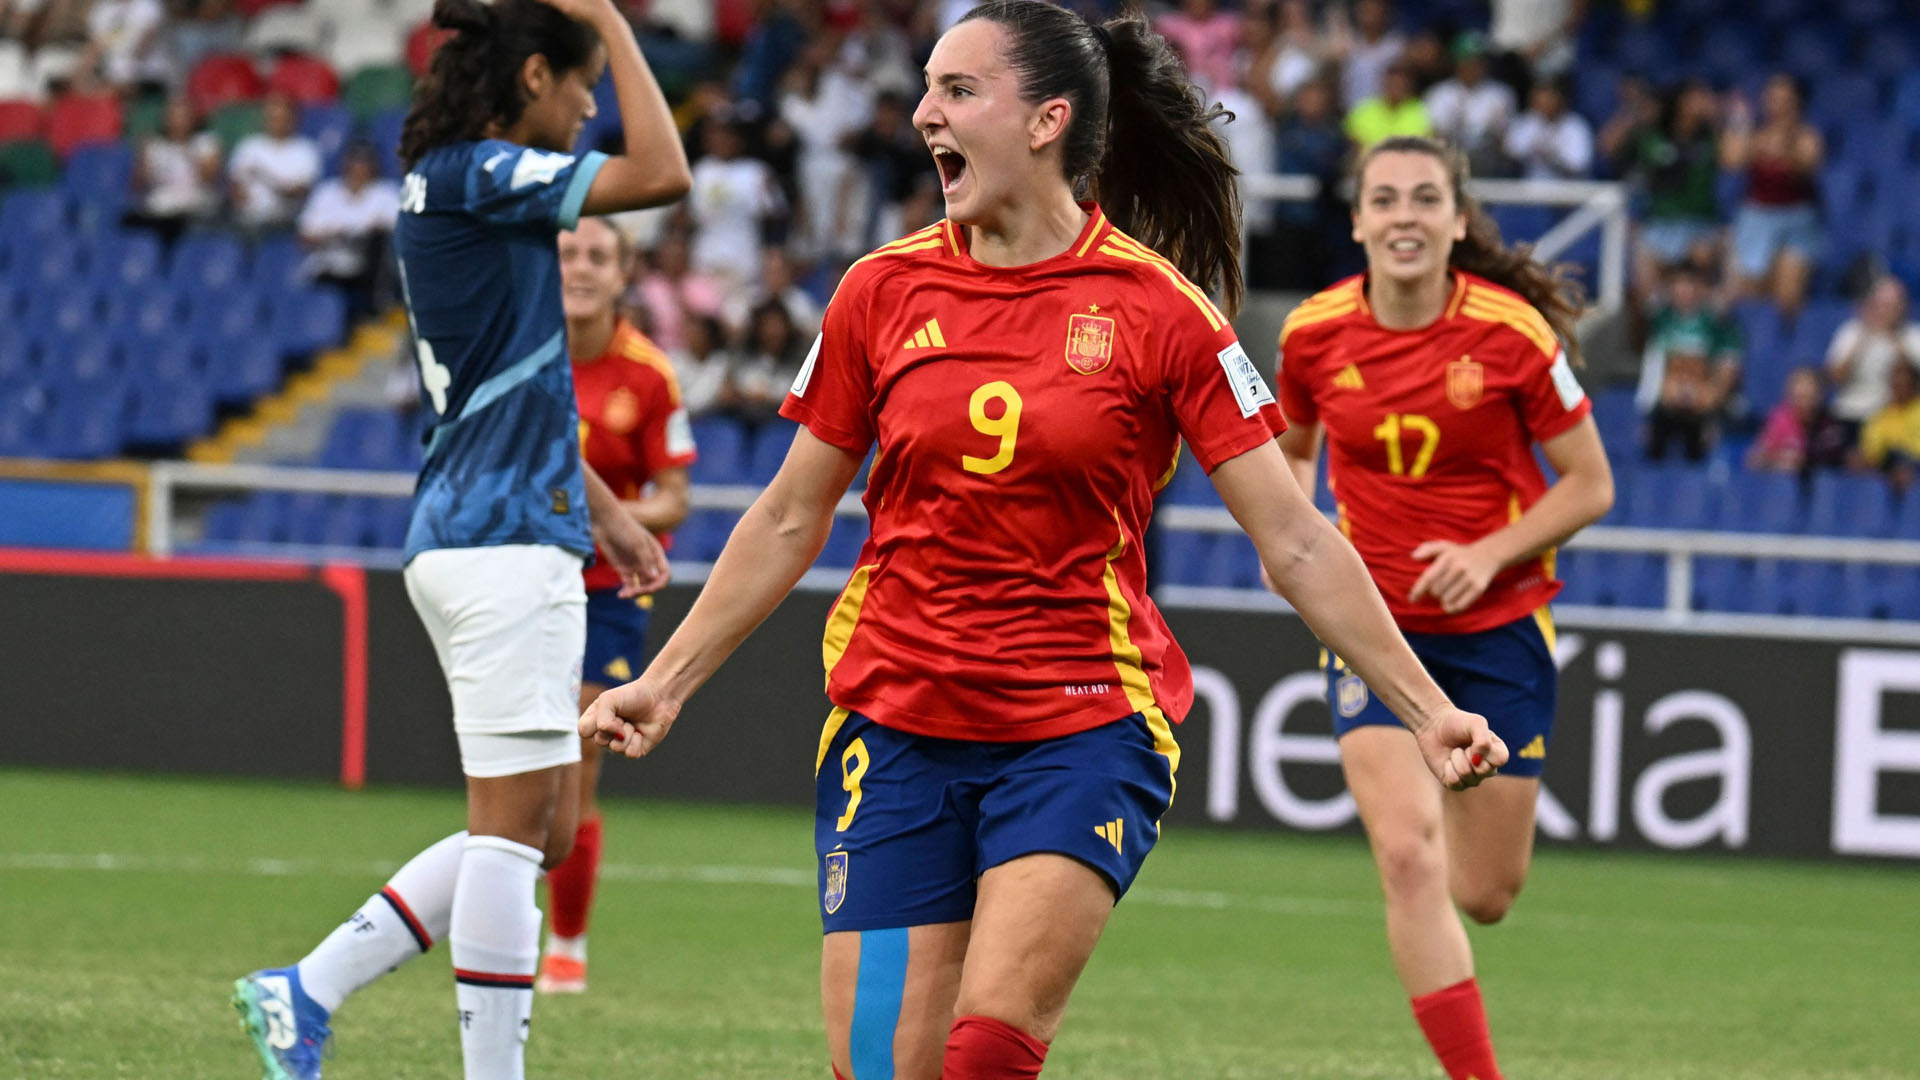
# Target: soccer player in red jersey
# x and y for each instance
(1430, 378)
(1000, 749)
(634, 433)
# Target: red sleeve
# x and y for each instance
(1296, 389)
(1221, 402)
(833, 395)
(1551, 400)
(664, 437)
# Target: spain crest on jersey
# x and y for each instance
(836, 893)
(1466, 381)
(1089, 343)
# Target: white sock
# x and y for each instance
(395, 925)
(496, 946)
(573, 948)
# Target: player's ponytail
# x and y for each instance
(1140, 140)
(474, 79)
(1557, 297)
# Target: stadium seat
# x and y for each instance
(99, 177)
(1617, 418)
(145, 116)
(47, 265)
(1234, 563)
(78, 119)
(22, 420)
(1843, 505)
(331, 127)
(390, 520)
(61, 311)
(85, 426)
(362, 439)
(1722, 584)
(241, 369)
(207, 262)
(230, 316)
(165, 416)
(278, 264)
(166, 358)
(1190, 486)
(27, 163)
(21, 120)
(124, 259)
(236, 121)
(384, 132)
(1762, 503)
(222, 80)
(1675, 496)
(373, 90)
(722, 442)
(1182, 558)
(308, 320)
(305, 79)
(80, 360)
(146, 311)
(19, 360)
(842, 550)
(770, 445)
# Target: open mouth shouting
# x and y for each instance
(953, 168)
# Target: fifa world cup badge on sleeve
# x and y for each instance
(836, 893)
(1089, 343)
(1465, 383)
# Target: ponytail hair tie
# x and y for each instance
(1101, 35)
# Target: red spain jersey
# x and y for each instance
(1024, 419)
(1430, 432)
(631, 423)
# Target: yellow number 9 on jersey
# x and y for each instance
(1005, 427)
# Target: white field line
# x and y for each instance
(374, 870)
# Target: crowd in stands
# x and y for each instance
(1771, 188)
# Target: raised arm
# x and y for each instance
(653, 170)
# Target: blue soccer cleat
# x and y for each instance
(287, 1027)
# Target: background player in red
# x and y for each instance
(634, 433)
(1000, 751)
(1431, 377)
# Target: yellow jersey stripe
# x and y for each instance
(1299, 319)
(658, 361)
(1522, 315)
(1172, 467)
(1460, 290)
(1129, 243)
(840, 624)
(1093, 234)
(883, 252)
(835, 719)
(1127, 660)
(1535, 329)
(1172, 275)
(1544, 619)
(946, 229)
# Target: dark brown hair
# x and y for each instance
(1557, 297)
(1140, 140)
(474, 79)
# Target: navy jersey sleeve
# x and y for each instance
(506, 183)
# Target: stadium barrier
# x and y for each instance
(1667, 737)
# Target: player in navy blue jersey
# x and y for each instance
(504, 514)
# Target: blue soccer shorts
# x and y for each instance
(904, 824)
(616, 637)
(1505, 674)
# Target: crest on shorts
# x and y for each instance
(836, 893)
(1350, 694)
(1466, 381)
(1089, 342)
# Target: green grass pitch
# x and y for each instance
(129, 904)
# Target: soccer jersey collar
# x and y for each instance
(1090, 233)
(1451, 309)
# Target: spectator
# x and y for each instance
(1397, 111)
(899, 172)
(1472, 110)
(1890, 442)
(732, 197)
(769, 362)
(1535, 39)
(272, 171)
(1801, 432)
(672, 294)
(176, 173)
(827, 105)
(1295, 55)
(208, 28)
(1866, 348)
(1310, 141)
(1429, 57)
(1677, 160)
(1776, 232)
(1550, 141)
(1366, 51)
(1690, 369)
(346, 227)
(704, 366)
(777, 285)
(123, 46)
(1207, 37)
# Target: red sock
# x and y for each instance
(982, 1049)
(1455, 1024)
(570, 885)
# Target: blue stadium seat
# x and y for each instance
(1235, 563)
(278, 261)
(1671, 496)
(1729, 48)
(1762, 503)
(1903, 593)
(23, 409)
(842, 550)
(234, 315)
(223, 521)
(1183, 557)
(166, 359)
(390, 520)
(1844, 505)
(241, 369)
(1722, 584)
(98, 180)
(1814, 330)
(1869, 591)
(305, 517)
(47, 265)
(84, 357)
(362, 439)
(60, 311)
(166, 416)
(330, 125)
(1643, 50)
(144, 311)
(87, 425)
(19, 359)
(384, 132)
(124, 259)
(1190, 485)
(309, 320)
(1617, 418)
(1814, 588)
(1626, 579)
(722, 442)
(704, 533)
(35, 216)
(208, 262)
(770, 445)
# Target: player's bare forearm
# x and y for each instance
(1581, 496)
(665, 508)
(776, 541)
(1301, 446)
(653, 170)
(1320, 574)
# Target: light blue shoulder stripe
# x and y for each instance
(576, 196)
(496, 387)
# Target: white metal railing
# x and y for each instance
(1679, 547)
(1597, 204)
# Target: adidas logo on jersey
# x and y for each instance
(1349, 379)
(927, 335)
(1535, 749)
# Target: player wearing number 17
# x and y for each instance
(1000, 750)
(1432, 376)
(500, 524)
